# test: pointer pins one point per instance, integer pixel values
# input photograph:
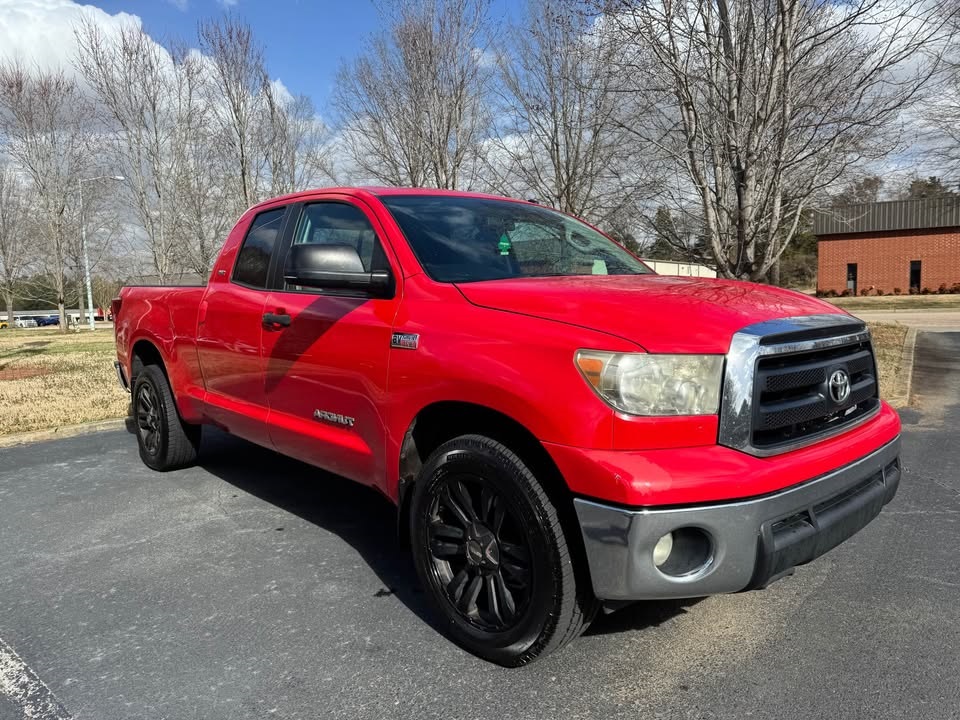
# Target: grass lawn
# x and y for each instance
(897, 302)
(50, 380)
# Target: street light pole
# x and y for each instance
(83, 243)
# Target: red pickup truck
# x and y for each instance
(560, 428)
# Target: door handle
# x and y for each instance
(274, 320)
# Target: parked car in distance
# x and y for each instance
(24, 322)
(560, 428)
(3, 325)
(47, 320)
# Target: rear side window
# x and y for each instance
(253, 261)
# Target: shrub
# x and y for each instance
(955, 288)
(943, 289)
(914, 290)
(879, 292)
(897, 291)
(845, 293)
(926, 291)
(864, 292)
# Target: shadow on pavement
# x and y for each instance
(366, 520)
(640, 615)
(359, 515)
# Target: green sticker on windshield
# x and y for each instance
(504, 245)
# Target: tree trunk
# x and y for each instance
(9, 302)
(773, 276)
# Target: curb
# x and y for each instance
(63, 432)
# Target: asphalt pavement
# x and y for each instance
(252, 586)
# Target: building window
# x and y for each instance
(852, 278)
(915, 274)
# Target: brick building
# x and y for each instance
(887, 245)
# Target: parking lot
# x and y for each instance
(252, 586)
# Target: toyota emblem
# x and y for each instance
(839, 386)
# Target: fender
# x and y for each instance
(165, 317)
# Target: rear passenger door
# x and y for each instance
(229, 329)
(326, 366)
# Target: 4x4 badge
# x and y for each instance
(405, 341)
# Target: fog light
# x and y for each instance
(662, 550)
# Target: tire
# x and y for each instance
(166, 442)
(490, 551)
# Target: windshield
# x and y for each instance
(465, 239)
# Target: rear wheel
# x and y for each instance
(489, 548)
(166, 442)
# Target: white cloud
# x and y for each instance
(228, 3)
(41, 31)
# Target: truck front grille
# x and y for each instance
(793, 398)
(792, 382)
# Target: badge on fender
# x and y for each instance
(405, 341)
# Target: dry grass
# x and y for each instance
(50, 380)
(897, 302)
(888, 345)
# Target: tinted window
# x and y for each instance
(253, 262)
(463, 239)
(333, 223)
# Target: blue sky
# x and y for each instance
(305, 40)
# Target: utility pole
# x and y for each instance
(83, 241)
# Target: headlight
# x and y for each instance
(647, 384)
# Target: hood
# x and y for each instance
(661, 313)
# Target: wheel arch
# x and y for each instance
(145, 352)
(444, 420)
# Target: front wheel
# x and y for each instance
(490, 550)
(166, 442)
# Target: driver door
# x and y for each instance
(326, 361)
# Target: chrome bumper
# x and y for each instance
(752, 542)
(121, 378)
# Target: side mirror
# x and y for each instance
(335, 267)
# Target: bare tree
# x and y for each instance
(14, 253)
(412, 106)
(293, 140)
(236, 100)
(46, 121)
(761, 105)
(205, 206)
(151, 96)
(559, 137)
(942, 110)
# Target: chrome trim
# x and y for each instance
(746, 348)
(120, 376)
(619, 542)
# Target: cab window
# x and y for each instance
(253, 260)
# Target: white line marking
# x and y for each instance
(28, 692)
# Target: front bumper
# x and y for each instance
(751, 542)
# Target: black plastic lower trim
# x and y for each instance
(806, 535)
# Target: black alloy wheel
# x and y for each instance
(490, 550)
(148, 418)
(166, 442)
(480, 554)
